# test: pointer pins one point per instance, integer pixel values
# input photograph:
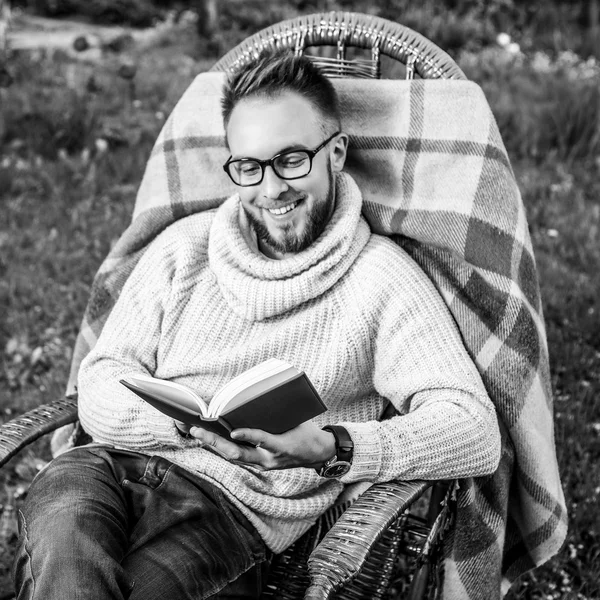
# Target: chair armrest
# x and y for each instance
(25, 429)
(346, 546)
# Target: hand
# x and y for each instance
(304, 446)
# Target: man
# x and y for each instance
(286, 268)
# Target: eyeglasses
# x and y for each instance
(291, 164)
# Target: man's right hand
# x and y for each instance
(304, 446)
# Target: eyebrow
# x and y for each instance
(288, 148)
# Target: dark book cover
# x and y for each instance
(279, 409)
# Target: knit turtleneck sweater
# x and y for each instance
(352, 310)
(257, 287)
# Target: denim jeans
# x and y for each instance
(105, 523)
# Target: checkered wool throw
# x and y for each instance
(435, 176)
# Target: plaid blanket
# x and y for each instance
(435, 177)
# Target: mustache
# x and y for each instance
(282, 200)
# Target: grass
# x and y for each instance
(65, 197)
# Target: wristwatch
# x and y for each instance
(340, 464)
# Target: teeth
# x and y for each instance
(283, 209)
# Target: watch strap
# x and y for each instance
(344, 446)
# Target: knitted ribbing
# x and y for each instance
(257, 287)
(380, 331)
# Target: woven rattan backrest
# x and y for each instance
(343, 30)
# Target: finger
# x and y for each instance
(183, 427)
(252, 458)
(227, 449)
(204, 435)
(256, 437)
(214, 442)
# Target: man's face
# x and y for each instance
(263, 127)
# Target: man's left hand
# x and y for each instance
(304, 446)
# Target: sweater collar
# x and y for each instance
(257, 287)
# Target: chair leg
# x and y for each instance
(419, 584)
(318, 591)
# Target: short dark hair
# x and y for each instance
(276, 71)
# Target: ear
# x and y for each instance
(338, 152)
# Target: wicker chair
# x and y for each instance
(376, 543)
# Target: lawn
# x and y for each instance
(74, 138)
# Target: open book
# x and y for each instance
(273, 396)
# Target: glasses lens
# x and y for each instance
(245, 172)
(292, 164)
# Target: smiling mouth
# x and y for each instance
(283, 210)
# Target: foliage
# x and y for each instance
(542, 106)
(137, 13)
(453, 24)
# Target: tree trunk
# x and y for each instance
(594, 30)
(4, 18)
(208, 17)
(4, 23)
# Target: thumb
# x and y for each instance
(184, 428)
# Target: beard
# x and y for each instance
(289, 241)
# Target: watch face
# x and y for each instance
(337, 469)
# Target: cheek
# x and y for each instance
(247, 197)
(318, 194)
(320, 183)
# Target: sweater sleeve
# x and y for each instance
(128, 344)
(447, 427)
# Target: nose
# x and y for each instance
(272, 185)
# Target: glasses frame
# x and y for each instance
(271, 163)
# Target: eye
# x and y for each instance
(292, 160)
(248, 168)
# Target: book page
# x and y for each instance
(172, 392)
(258, 388)
(245, 379)
(257, 373)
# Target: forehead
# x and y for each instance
(262, 127)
